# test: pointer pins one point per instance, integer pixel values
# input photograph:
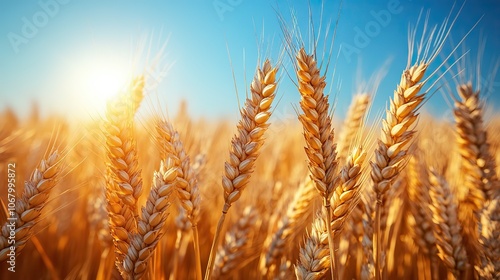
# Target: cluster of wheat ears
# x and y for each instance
(397, 199)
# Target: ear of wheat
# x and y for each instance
(314, 258)
(245, 146)
(353, 123)
(489, 268)
(236, 249)
(288, 225)
(420, 221)
(150, 227)
(480, 179)
(346, 196)
(447, 227)
(29, 207)
(187, 191)
(318, 133)
(124, 182)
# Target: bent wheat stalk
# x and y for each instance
(246, 144)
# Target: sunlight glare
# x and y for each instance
(98, 81)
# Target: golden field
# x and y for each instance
(399, 196)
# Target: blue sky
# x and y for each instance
(58, 53)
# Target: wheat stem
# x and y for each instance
(196, 244)
(215, 244)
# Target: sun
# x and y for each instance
(105, 81)
(97, 80)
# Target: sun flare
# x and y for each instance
(105, 82)
(95, 81)
(102, 81)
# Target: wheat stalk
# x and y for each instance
(30, 205)
(123, 178)
(391, 149)
(447, 227)
(480, 179)
(318, 133)
(246, 144)
(150, 227)
(187, 191)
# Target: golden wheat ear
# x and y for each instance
(314, 257)
(150, 227)
(246, 144)
(123, 178)
(478, 162)
(288, 225)
(318, 133)
(446, 225)
(398, 127)
(353, 123)
(420, 220)
(187, 183)
(29, 206)
(489, 268)
(235, 251)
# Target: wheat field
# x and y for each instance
(402, 195)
